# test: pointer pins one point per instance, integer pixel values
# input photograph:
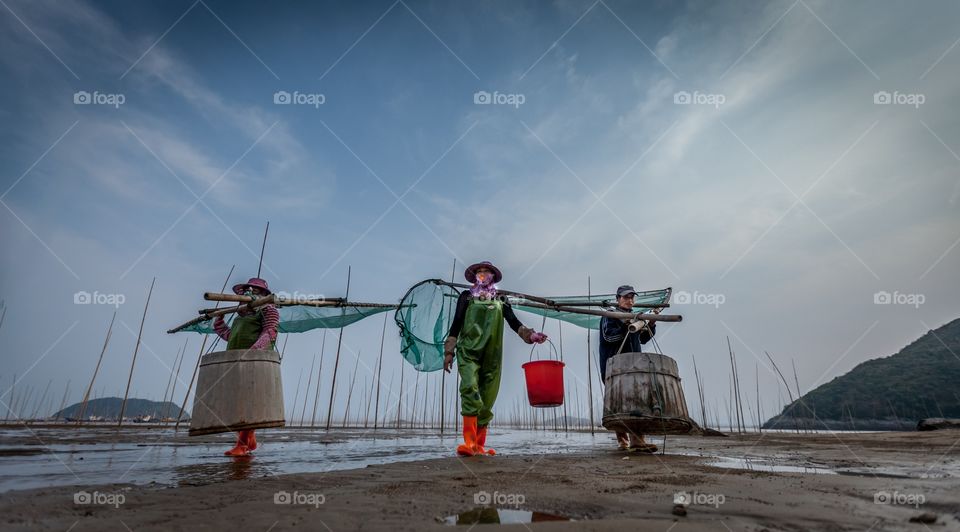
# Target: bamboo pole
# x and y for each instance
(316, 396)
(263, 247)
(86, 395)
(353, 380)
(176, 379)
(39, 403)
(123, 405)
(237, 298)
(443, 374)
(400, 397)
(759, 414)
(203, 346)
(303, 411)
(63, 401)
(589, 367)
(336, 362)
(206, 316)
(293, 413)
(376, 408)
(551, 303)
(566, 427)
(166, 389)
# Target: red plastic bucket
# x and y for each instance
(544, 382)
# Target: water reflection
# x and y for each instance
(502, 516)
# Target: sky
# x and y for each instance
(790, 168)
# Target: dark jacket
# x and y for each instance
(612, 332)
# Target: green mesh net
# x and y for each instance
(427, 309)
(424, 317)
(297, 319)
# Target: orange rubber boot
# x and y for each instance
(482, 440)
(240, 449)
(469, 445)
(249, 439)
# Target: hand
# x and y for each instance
(447, 362)
(538, 338)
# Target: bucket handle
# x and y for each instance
(551, 351)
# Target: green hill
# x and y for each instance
(109, 408)
(895, 392)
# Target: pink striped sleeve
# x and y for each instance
(220, 327)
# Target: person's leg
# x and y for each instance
(489, 389)
(637, 443)
(470, 400)
(622, 441)
(240, 448)
(249, 439)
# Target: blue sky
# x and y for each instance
(795, 201)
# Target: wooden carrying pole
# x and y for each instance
(123, 405)
(259, 302)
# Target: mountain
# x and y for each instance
(891, 393)
(109, 408)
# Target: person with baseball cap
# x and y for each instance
(476, 340)
(615, 338)
(251, 329)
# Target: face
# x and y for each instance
(253, 291)
(625, 302)
(484, 276)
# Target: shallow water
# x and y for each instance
(143, 456)
(54, 456)
(502, 516)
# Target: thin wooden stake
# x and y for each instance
(376, 407)
(590, 367)
(86, 395)
(263, 248)
(316, 396)
(336, 363)
(123, 405)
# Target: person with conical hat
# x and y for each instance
(616, 338)
(476, 340)
(250, 329)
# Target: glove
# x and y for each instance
(449, 346)
(538, 338)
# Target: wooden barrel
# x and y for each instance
(642, 394)
(237, 390)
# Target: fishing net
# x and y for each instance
(297, 319)
(427, 309)
(424, 317)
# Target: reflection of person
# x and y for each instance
(615, 338)
(250, 329)
(476, 337)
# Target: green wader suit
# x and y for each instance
(245, 330)
(479, 358)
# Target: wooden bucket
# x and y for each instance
(237, 390)
(642, 394)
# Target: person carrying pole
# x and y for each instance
(615, 338)
(250, 329)
(476, 340)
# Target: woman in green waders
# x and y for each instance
(476, 338)
(251, 329)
